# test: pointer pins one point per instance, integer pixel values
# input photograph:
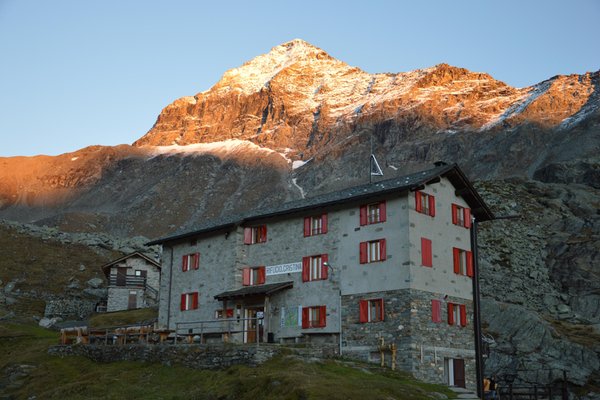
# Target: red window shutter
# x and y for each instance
(305, 322)
(194, 300)
(322, 316)
(246, 276)
(463, 315)
(247, 235)
(470, 263)
(450, 314)
(229, 313)
(426, 254)
(418, 205)
(184, 263)
(182, 305)
(363, 252)
(436, 315)
(382, 210)
(432, 205)
(307, 230)
(456, 256)
(263, 233)
(196, 260)
(382, 249)
(363, 215)
(382, 316)
(262, 275)
(305, 269)
(467, 218)
(454, 214)
(324, 268)
(363, 311)
(324, 223)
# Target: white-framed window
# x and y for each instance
(461, 216)
(314, 317)
(253, 276)
(255, 234)
(373, 213)
(373, 251)
(189, 301)
(371, 310)
(462, 261)
(314, 268)
(425, 203)
(315, 225)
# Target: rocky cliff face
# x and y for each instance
(296, 122)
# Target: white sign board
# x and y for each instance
(283, 269)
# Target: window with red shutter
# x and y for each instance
(363, 215)
(382, 250)
(305, 269)
(425, 203)
(436, 310)
(456, 260)
(463, 315)
(455, 210)
(194, 300)
(469, 264)
(196, 260)
(431, 205)
(324, 223)
(382, 212)
(184, 263)
(322, 316)
(247, 235)
(183, 303)
(324, 268)
(257, 234)
(363, 311)
(363, 252)
(307, 224)
(262, 275)
(467, 218)
(246, 276)
(305, 318)
(426, 253)
(450, 314)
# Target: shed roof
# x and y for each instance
(399, 184)
(257, 290)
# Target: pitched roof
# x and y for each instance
(106, 266)
(395, 185)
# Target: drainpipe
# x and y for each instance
(476, 310)
(170, 285)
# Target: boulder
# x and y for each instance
(49, 322)
(95, 283)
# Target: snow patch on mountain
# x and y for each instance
(231, 146)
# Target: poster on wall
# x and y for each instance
(289, 317)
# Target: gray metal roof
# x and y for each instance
(395, 185)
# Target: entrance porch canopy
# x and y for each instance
(258, 290)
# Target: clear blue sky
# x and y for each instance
(78, 73)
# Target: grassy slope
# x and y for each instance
(281, 378)
(47, 265)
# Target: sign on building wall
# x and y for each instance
(283, 269)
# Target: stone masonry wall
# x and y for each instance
(423, 345)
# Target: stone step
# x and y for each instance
(462, 393)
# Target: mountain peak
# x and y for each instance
(256, 73)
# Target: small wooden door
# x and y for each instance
(251, 324)
(121, 276)
(132, 303)
(459, 372)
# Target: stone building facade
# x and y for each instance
(133, 282)
(389, 261)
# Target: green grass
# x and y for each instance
(284, 377)
(119, 318)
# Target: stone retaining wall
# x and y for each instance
(197, 356)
